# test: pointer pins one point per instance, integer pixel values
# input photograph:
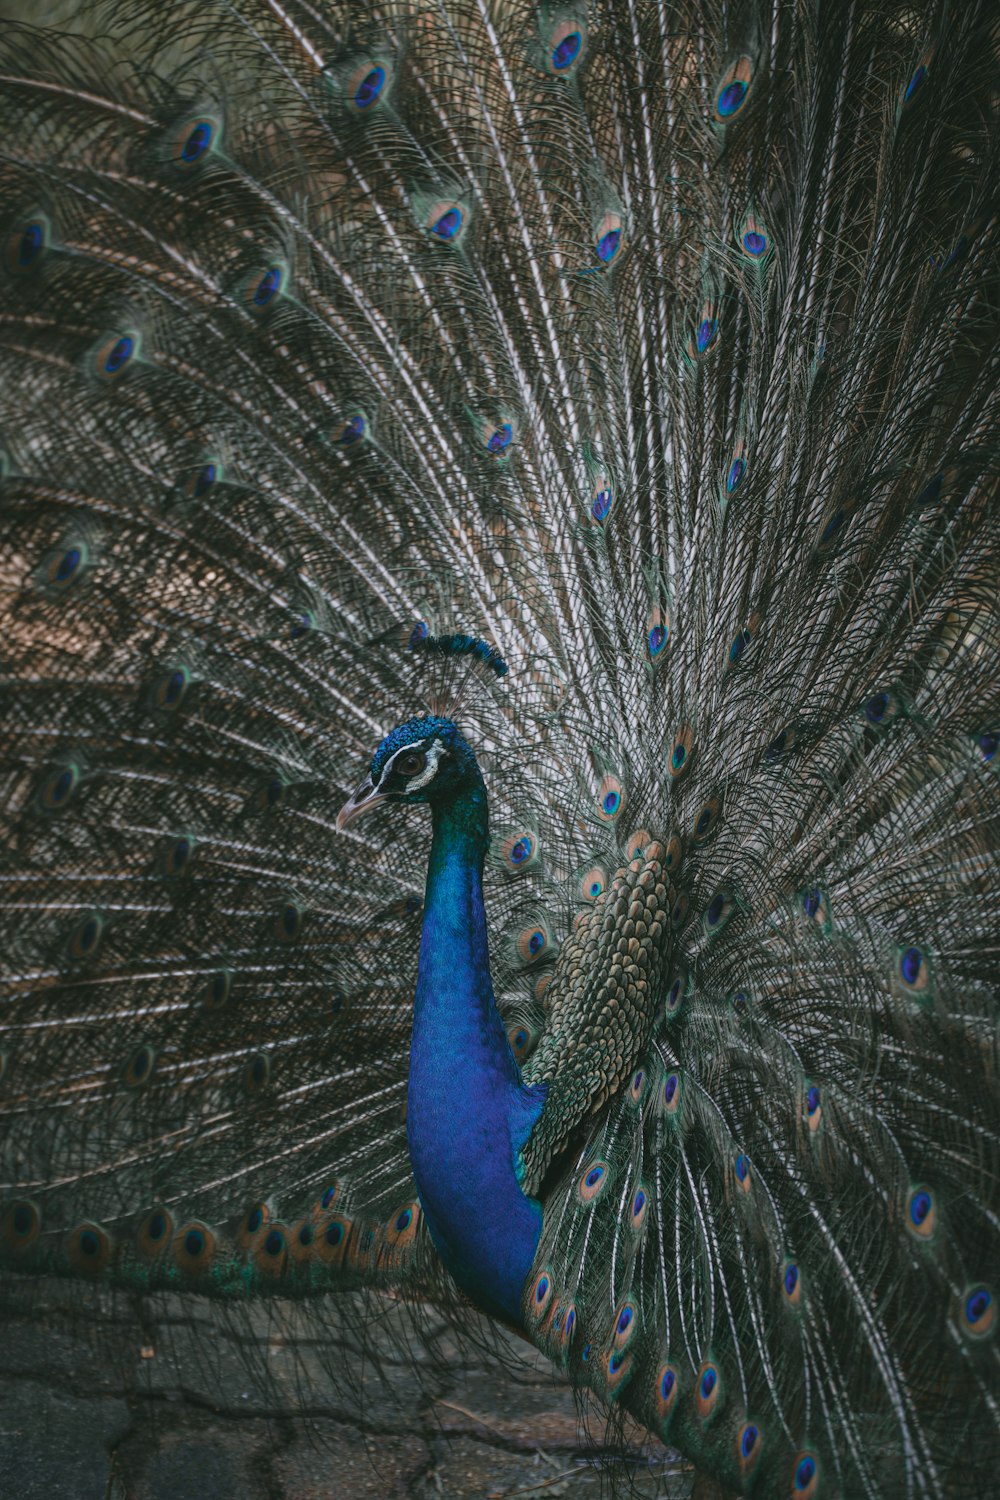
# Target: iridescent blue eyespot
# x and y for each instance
(812, 1099)
(748, 1441)
(30, 244)
(594, 1176)
(920, 1207)
(910, 963)
(541, 1289)
(352, 431)
(601, 504)
(625, 1319)
(610, 803)
(567, 51)
(736, 471)
(657, 639)
(708, 1381)
(670, 1088)
(988, 745)
(274, 1242)
(536, 942)
(811, 901)
(520, 851)
(742, 1166)
(705, 334)
(268, 287)
(306, 1235)
(731, 98)
(791, 1279)
(607, 245)
(979, 1311)
(715, 908)
(334, 1233)
(667, 1383)
(404, 1220)
(196, 142)
(875, 708)
(678, 757)
(119, 354)
(500, 438)
(370, 87)
(329, 1194)
(805, 1473)
(754, 243)
(204, 480)
(448, 224)
(615, 1362)
(194, 1243)
(638, 1204)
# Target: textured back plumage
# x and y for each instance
(656, 346)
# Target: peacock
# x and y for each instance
(578, 420)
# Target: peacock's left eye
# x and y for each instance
(412, 763)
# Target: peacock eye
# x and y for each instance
(412, 763)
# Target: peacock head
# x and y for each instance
(423, 760)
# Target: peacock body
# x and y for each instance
(581, 420)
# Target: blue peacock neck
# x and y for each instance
(468, 1113)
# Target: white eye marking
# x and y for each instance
(435, 750)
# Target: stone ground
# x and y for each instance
(106, 1399)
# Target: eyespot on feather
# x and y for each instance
(401, 1228)
(978, 1311)
(736, 472)
(754, 240)
(170, 689)
(680, 752)
(522, 1039)
(540, 1295)
(732, 90)
(718, 913)
(805, 1476)
(217, 990)
(256, 1218)
(813, 906)
(288, 920)
(89, 1248)
(602, 499)
(116, 355)
(742, 1172)
(21, 1226)
(813, 1106)
(673, 856)
(704, 336)
(26, 243)
(657, 632)
(519, 851)
(154, 1234)
(66, 566)
(256, 1073)
(920, 1216)
(610, 799)
(269, 1249)
(194, 141)
(264, 287)
(671, 1093)
(593, 1181)
(676, 994)
(194, 1248)
(564, 45)
(446, 221)
(59, 787)
(708, 1390)
(332, 1235)
(534, 942)
(668, 1385)
(637, 1209)
(85, 939)
(637, 1087)
(609, 239)
(707, 820)
(912, 972)
(637, 844)
(593, 882)
(140, 1067)
(879, 710)
(748, 1447)
(791, 1284)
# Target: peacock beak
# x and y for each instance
(363, 800)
